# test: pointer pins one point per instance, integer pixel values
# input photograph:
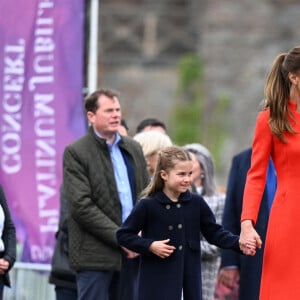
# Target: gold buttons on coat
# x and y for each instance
(180, 247)
(179, 226)
(178, 205)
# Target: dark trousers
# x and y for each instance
(1, 286)
(109, 285)
(63, 293)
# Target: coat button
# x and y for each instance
(170, 227)
(179, 226)
(178, 205)
(168, 206)
(180, 247)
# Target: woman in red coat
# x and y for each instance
(277, 136)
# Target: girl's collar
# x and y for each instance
(163, 198)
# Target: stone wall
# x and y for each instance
(238, 40)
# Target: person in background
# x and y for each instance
(61, 275)
(151, 124)
(236, 269)
(204, 183)
(276, 136)
(123, 129)
(103, 172)
(8, 243)
(152, 141)
(164, 227)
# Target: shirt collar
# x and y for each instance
(116, 142)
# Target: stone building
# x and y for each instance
(141, 42)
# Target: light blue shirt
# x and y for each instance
(121, 176)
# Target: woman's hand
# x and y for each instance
(249, 239)
(161, 248)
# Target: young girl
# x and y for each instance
(170, 219)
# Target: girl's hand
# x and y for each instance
(161, 248)
(250, 247)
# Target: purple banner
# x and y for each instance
(41, 65)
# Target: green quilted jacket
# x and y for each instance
(93, 201)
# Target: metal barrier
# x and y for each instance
(29, 282)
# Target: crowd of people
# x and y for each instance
(143, 166)
(142, 218)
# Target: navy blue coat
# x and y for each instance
(250, 266)
(159, 218)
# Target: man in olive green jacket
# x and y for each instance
(103, 176)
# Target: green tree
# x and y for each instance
(194, 119)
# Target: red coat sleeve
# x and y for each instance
(256, 177)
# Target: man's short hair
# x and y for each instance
(153, 122)
(91, 101)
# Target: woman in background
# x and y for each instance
(152, 142)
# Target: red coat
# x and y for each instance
(281, 264)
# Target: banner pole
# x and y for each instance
(93, 47)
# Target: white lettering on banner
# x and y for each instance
(41, 85)
(13, 84)
(39, 253)
(45, 155)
